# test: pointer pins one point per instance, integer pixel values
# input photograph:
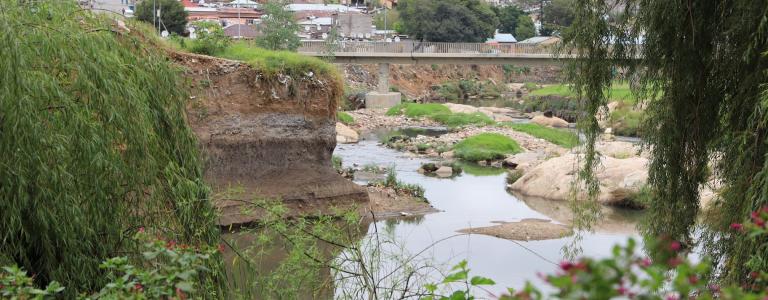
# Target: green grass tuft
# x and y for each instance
(559, 137)
(345, 118)
(486, 146)
(619, 92)
(462, 119)
(277, 62)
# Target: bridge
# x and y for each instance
(411, 52)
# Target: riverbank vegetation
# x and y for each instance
(486, 146)
(439, 113)
(559, 137)
(91, 156)
(345, 118)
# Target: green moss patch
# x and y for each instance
(345, 118)
(486, 146)
(558, 137)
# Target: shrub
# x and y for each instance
(486, 146)
(559, 137)
(422, 147)
(513, 176)
(400, 187)
(345, 118)
(336, 161)
(627, 122)
(210, 40)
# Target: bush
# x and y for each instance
(345, 118)
(513, 176)
(627, 122)
(336, 161)
(210, 40)
(559, 137)
(486, 146)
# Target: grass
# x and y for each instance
(625, 121)
(618, 92)
(439, 113)
(278, 62)
(345, 118)
(486, 146)
(462, 119)
(559, 137)
(413, 110)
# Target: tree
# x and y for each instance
(704, 80)
(508, 17)
(448, 20)
(173, 17)
(210, 38)
(278, 27)
(525, 28)
(96, 145)
(558, 14)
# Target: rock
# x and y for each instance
(617, 149)
(502, 118)
(524, 161)
(461, 108)
(447, 154)
(551, 122)
(346, 135)
(444, 171)
(552, 179)
(525, 230)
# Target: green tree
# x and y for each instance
(278, 27)
(525, 28)
(702, 69)
(448, 20)
(94, 144)
(173, 17)
(210, 38)
(558, 14)
(508, 17)
(392, 20)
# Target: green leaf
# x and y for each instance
(185, 286)
(458, 276)
(478, 280)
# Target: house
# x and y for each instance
(241, 31)
(541, 40)
(315, 28)
(501, 38)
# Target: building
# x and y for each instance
(316, 28)
(541, 40)
(241, 31)
(502, 38)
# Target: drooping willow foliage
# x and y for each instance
(702, 66)
(93, 145)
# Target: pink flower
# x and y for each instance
(141, 229)
(674, 246)
(566, 265)
(693, 279)
(221, 248)
(138, 287)
(737, 226)
(675, 261)
(645, 262)
(622, 290)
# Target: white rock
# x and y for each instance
(346, 135)
(551, 122)
(444, 171)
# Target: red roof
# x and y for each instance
(188, 3)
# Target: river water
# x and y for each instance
(478, 197)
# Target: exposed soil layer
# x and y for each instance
(525, 230)
(272, 135)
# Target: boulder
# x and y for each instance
(346, 135)
(444, 171)
(617, 149)
(461, 108)
(524, 161)
(549, 121)
(447, 154)
(552, 179)
(502, 118)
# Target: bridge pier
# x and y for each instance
(382, 97)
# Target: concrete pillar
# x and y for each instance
(383, 78)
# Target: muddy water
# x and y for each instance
(479, 198)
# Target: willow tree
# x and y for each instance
(702, 67)
(93, 144)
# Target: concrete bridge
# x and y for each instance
(411, 52)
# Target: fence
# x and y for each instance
(347, 47)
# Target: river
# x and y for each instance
(478, 197)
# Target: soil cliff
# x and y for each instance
(268, 135)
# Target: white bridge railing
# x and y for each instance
(347, 48)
